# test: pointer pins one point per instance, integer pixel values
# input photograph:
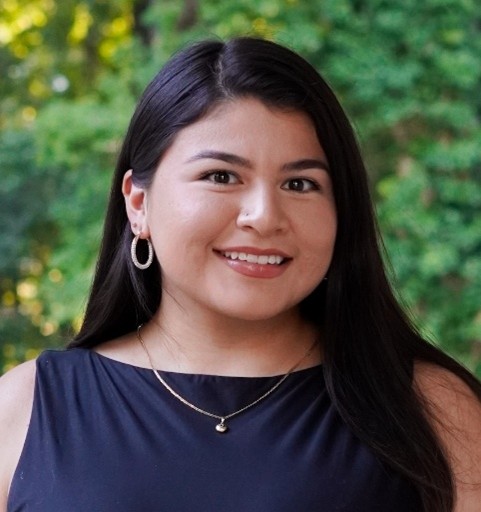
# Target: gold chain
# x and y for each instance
(222, 426)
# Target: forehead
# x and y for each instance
(248, 125)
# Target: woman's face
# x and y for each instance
(241, 212)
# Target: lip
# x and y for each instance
(254, 250)
(255, 270)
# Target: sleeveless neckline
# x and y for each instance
(314, 369)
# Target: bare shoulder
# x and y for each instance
(16, 393)
(23, 373)
(16, 398)
(455, 413)
(432, 378)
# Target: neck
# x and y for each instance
(211, 344)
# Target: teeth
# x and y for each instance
(273, 259)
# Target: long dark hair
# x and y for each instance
(369, 344)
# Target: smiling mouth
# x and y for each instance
(263, 259)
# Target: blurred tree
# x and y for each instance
(407, 72)
(60, 124)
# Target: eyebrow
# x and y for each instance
(306, 163)
(297, 165)
(220, 155)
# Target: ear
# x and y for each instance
(135, 205)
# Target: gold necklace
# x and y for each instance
(222, 426)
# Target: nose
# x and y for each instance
(262, 210)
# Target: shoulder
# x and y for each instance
(454, 411)
(444, 391)
(16, 392)
(16, 398)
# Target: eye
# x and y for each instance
(300, 185)
(221, 177)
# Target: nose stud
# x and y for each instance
(243, 217)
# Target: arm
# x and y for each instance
(455, 413)
(16, 398)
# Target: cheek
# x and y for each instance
(189, 219)
(319, 232)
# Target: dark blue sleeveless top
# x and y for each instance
(106, 436)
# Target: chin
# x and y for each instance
(257, 314)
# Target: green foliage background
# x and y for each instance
(408, 73)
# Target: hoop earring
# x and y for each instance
(133, 253)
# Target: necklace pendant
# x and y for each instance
(221, 427)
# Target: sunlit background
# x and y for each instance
(408, 73)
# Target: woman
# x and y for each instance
(241, 347)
